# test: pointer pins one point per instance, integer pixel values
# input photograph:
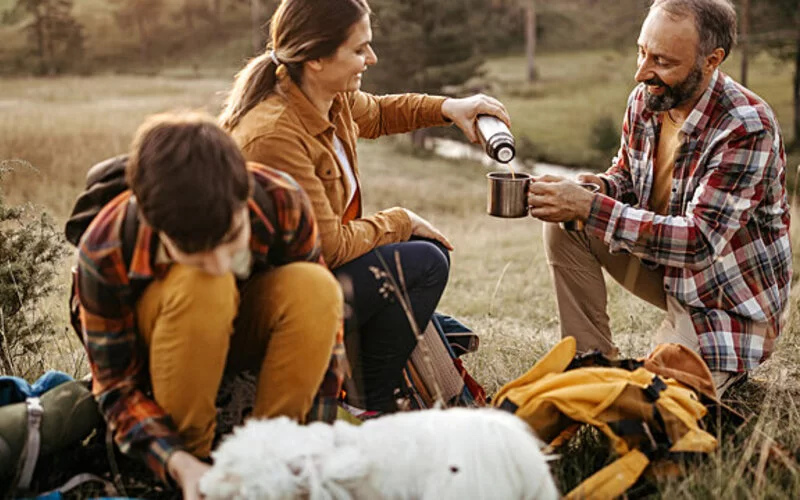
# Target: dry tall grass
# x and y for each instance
(499, 284)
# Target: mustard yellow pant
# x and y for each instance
(282, 325)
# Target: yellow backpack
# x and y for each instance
(647, 418)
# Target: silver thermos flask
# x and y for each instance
(496, 138)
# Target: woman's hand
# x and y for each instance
(187, 470)
(424, 229)
(463, 112)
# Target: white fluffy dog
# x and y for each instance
(432, 454)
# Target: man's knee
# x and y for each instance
(188, 287)
(555, 237)
(189, 299)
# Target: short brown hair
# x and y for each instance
(715, 21)
(301, 30)
(189, 178)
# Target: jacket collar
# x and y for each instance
(309, 115)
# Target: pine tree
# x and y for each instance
(141, 16)
(55, 36)
(775, 27)
(424, 45)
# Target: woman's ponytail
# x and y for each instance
(252, 85)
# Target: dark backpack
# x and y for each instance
(104, 182)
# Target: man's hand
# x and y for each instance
(424, 229)
(594, 179)
(555, 199)
(464, 112)
(187, 470)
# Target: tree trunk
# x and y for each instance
(796, 93)
(39, 28)
(144, 41)
(217, 15)
(530, 39)
(419, 138)
(257, 10)
(49, 30)
(744, 40)
(188, 14)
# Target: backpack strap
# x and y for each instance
(130, 231)
(33, 443)
(79, 479)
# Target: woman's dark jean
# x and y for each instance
(378, 335)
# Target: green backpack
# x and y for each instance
(38, 427)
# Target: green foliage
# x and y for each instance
(429, 44)
(605, 136)
(774, 27)
(55, 37)
(30, 248)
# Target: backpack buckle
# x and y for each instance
(653, 391)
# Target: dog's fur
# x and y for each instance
(437, 454)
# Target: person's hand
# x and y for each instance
(555, 199)
(424, 229)
(463, 112)
(187, 470)
(594, 179)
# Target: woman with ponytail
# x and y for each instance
(298, 108)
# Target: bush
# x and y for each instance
(30, 247)
(604, 137)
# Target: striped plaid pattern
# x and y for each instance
(282, 233)
(724, 242)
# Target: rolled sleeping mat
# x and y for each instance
(69, 413)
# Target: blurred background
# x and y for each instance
(563, 67)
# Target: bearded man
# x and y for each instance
(692, 216)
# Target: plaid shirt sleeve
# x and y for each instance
(721, 205)
(141, 428)
(296, 229)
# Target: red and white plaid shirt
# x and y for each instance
(724, 242)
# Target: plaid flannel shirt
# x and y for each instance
(724, 242)
(284, 233)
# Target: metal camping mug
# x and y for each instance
(508, 194)
(577, 225)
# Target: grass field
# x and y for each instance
(500, 281)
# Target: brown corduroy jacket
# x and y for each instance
(286, 132)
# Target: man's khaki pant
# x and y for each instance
(577, 262)
(196, 325)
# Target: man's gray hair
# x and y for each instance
(715, 21)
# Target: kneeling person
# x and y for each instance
(225, 274)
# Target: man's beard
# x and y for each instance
(673, 96)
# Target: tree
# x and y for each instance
(54, 34)
(141, 16)
(744, 39)
(530, 39)
(424, 46)
(260, 13)
(774, 26)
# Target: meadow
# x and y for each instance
(52, 130)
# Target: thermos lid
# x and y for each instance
(505, 154)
